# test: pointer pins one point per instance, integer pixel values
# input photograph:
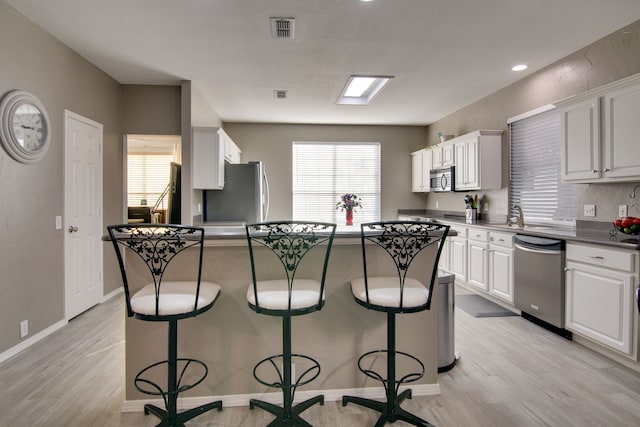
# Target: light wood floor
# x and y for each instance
(511, 373)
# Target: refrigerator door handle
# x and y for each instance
(265, 196)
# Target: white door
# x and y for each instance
(82, 213)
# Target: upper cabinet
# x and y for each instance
(420, 170)
(443, 155)
(210, 148)
(600, 133)
(478, 160)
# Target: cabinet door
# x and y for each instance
(416, 172)
(461, 159)
(477, 272)
(445, 256)
(420, 170)
(621, 157)
(436, 160)
(471, 164)
(501, 272)
(448, 154)
(208, 159)
(458, 260)
(599, 305)
(580, 127)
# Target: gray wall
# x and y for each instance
(31, 196)
(611, 58)
(271, 143)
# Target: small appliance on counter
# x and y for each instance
(244, 199)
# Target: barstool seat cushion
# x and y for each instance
(175, 298)
(274, 294)
(385, 292)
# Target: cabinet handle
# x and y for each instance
(595, 171)
(607, 169)
(567, 269)
(595, 257)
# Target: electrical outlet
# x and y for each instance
(436, 204)
(589, 210)
(24, 328)
(622, 211)
(58, 222)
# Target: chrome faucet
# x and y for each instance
(520, 218)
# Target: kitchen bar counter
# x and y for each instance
(586, 232)
(231, 338)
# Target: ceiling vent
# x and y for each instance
(280, 94)
(283, 28)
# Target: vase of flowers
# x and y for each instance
(348, 203)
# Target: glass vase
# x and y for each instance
(349, 216)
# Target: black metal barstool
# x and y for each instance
(166, 301)
(287, 243)
(402, 241)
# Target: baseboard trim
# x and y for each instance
(233, 400)
(31, 340)
(112, 294)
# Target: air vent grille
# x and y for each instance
(283, 28)
(280, 94)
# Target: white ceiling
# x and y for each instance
(444, 54)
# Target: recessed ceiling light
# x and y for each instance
(360, 90)
(520, 67)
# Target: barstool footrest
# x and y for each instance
(313, 370)
(410, 377)
(157, 389)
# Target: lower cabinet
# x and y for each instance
(478, 249)
(458, 253)
(599, 295)
(501, 265)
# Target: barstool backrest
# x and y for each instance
(290, 242)
(403, 241)
(157, 245)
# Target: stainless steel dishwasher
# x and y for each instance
(538, 272)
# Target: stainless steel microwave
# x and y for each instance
(443, 179)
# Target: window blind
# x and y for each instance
(535, 172)
(147, 178)
(322, 172)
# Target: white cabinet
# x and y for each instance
(600, 134)
(580, 130)
(500, 264)
(210, 147)
(443, 155)
(621, 133)
(232, 153)
(599, 295)
(477, 252)
(478, 160)
(457, 247)
(420, 170)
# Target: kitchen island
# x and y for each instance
(231, 338)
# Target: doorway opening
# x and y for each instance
(153, 175)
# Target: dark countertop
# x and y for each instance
(593, 232)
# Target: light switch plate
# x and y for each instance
(622, 211)
(589, 210)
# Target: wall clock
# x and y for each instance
(25, 130)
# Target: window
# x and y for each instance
(535, 171)
(322, 172)
(147, 178)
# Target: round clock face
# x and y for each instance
(29, 127)
(24, 126)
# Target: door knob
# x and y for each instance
(72, 228)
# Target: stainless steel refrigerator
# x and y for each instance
(245, 197)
